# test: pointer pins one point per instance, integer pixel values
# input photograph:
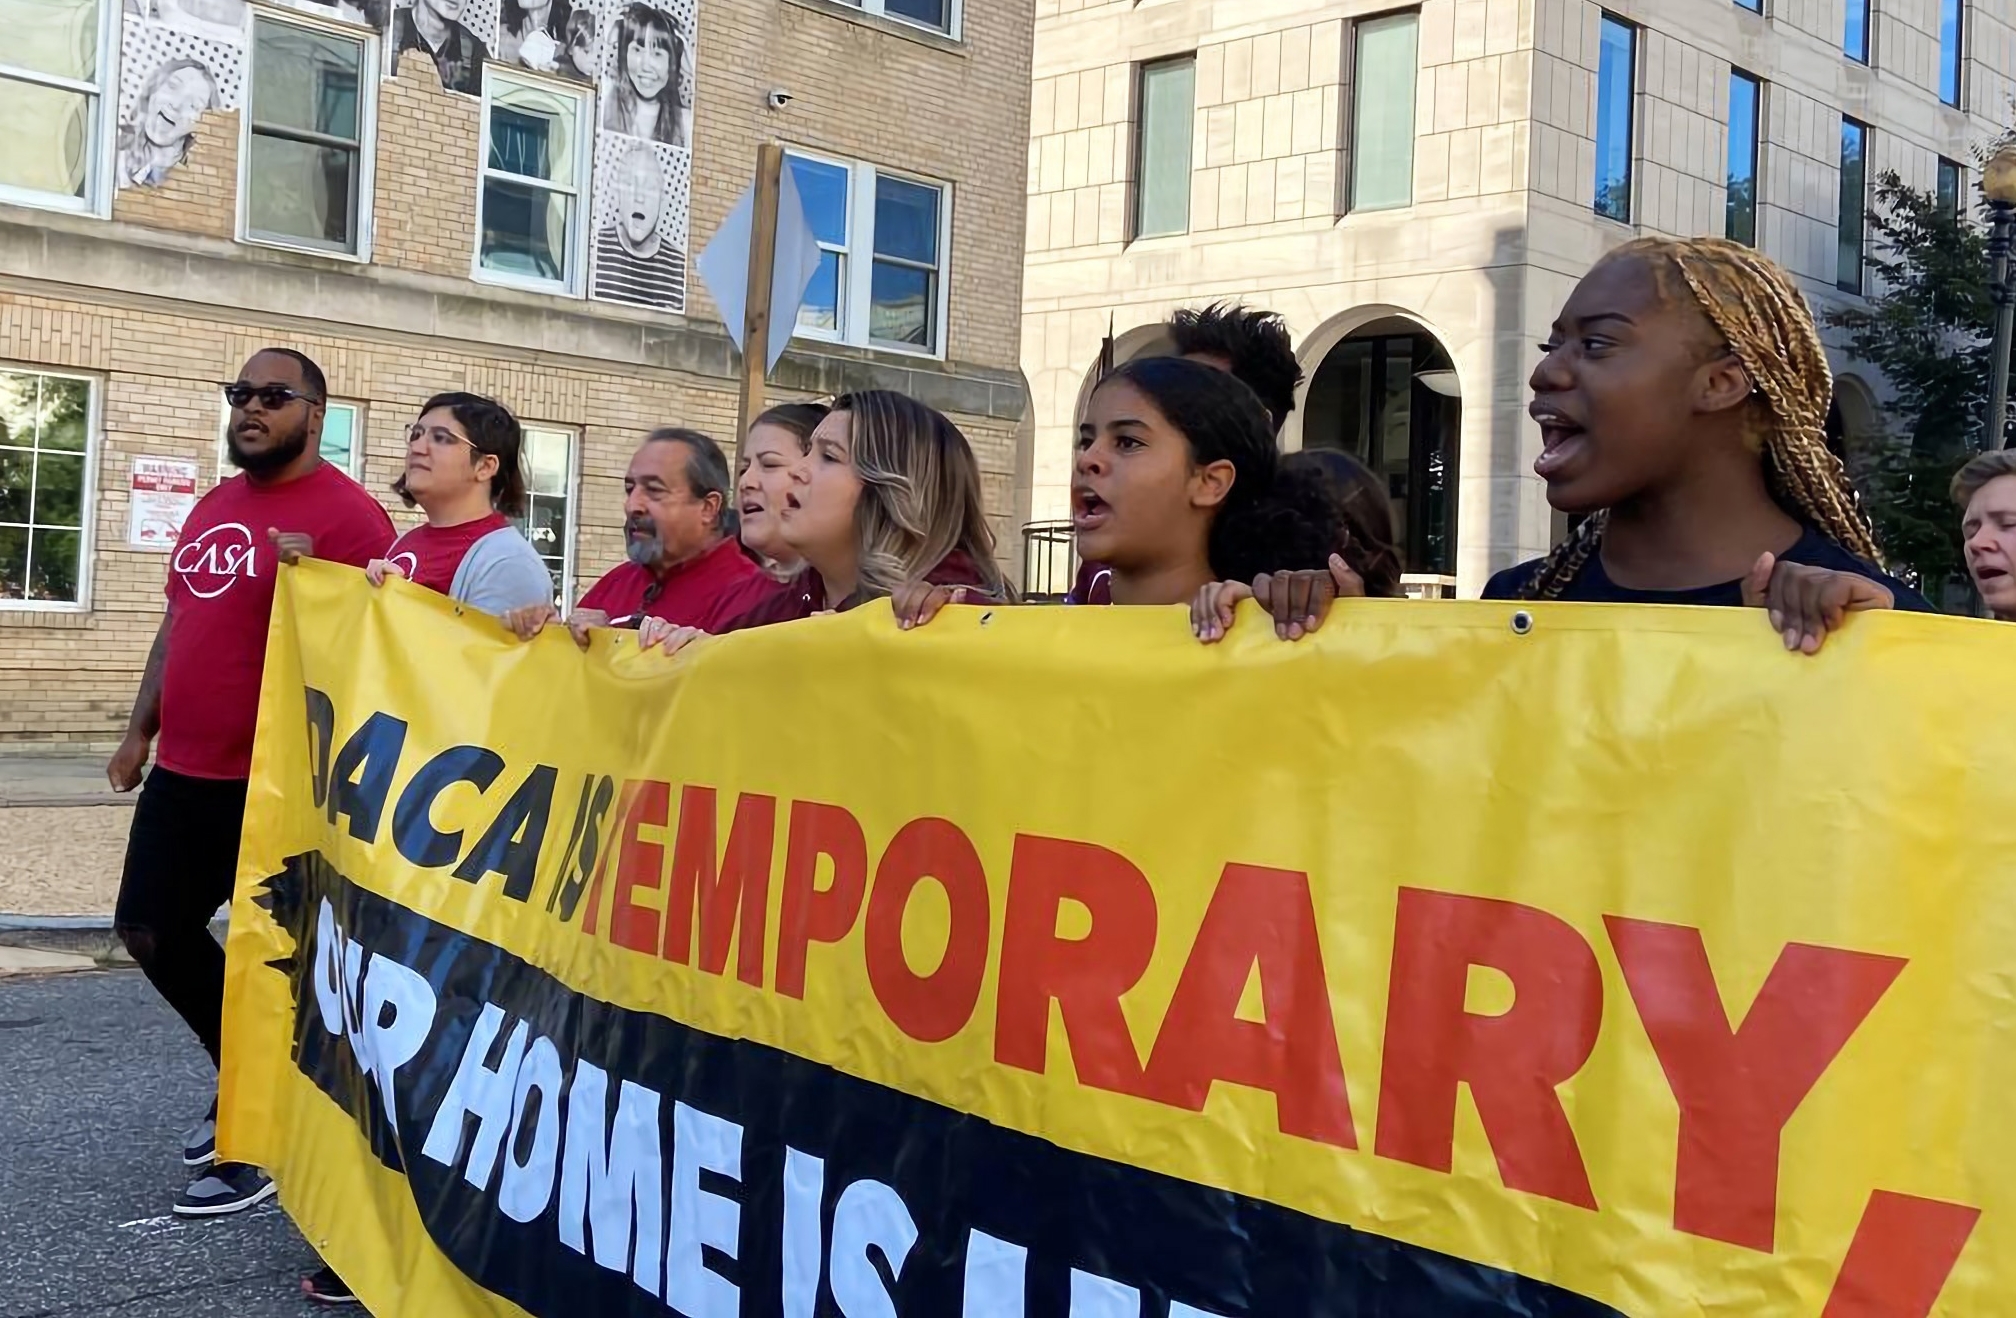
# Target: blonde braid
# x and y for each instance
(1762, 314)
(1763, 317)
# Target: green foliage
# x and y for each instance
(1927, 330)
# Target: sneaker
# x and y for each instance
(229, 1187)
(199, 1146)
(325, 1287)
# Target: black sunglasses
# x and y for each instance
(271, 397)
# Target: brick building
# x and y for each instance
(335, 196)
(1418, 187)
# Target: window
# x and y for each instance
(51, 72)
(1855, 33)
(304, 154)
(1952, 187)
(1616, 80)
(1162, 147)
(937, 15)
(1746, 97)
(882, 239)
(1854, 202)
(535, 152)
(1951, 26)
(1382, 113)
(1754, 6)
(342, 439)
(45, 454)
(549, 470)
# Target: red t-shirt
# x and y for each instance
(220, 591)
(705, 592)
(430, 556)
(1094, 585)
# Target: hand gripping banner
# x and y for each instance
(1586, 961)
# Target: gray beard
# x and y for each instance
(645, 553)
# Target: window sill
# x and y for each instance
(894, 27)
(299, 249)
(49, 201)
(492, 280)
(872, 349)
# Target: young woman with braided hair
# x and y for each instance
(1681, 403)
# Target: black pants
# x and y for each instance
(181, 860)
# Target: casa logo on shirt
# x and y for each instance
(209, 563)
(407, 563)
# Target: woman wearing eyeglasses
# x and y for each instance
(463, 470)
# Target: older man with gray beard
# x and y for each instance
(685, 564)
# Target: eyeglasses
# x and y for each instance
(439, 437)
(272, 397)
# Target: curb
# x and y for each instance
(77, 935)
(10, 924)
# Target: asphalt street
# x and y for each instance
(98, 1080)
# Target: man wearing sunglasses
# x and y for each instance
(200, 696)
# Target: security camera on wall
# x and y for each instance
(777, 98)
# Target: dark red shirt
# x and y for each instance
(220, 593)
(1093, 586)
(802, 596)
(705, 592)
(430, 556)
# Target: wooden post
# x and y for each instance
(756, 303)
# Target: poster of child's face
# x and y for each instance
(641, 196)
(549, 36)
(648, 77)
(169, 77)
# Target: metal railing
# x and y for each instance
(1049, 562)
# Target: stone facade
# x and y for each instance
(157, 298)
(1502, 219)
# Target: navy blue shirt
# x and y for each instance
(1592, 585)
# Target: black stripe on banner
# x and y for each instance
(577, 1158)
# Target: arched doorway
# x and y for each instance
(1853, 420)
(1387, 394)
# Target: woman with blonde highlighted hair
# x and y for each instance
(887, 494)
(1681, 401)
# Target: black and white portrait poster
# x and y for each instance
(562, 37)
(641, 194)
(458, 35)
(360, 13)
(647, 81)
(643, 152)
(177, 59)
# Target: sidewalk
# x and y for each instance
(62, 838)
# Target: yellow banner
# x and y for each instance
(1461, 960)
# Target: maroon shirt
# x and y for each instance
(1093, 586)
(707, 592)
(801, 596)
(431, 555)
(220, 593)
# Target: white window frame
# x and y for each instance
(573, 498)
(575, 282)
(857, 258)
(954, 17)
(102, 140)
(354, 469)
(367, 135)
(94, 443)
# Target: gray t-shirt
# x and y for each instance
(501, 572)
